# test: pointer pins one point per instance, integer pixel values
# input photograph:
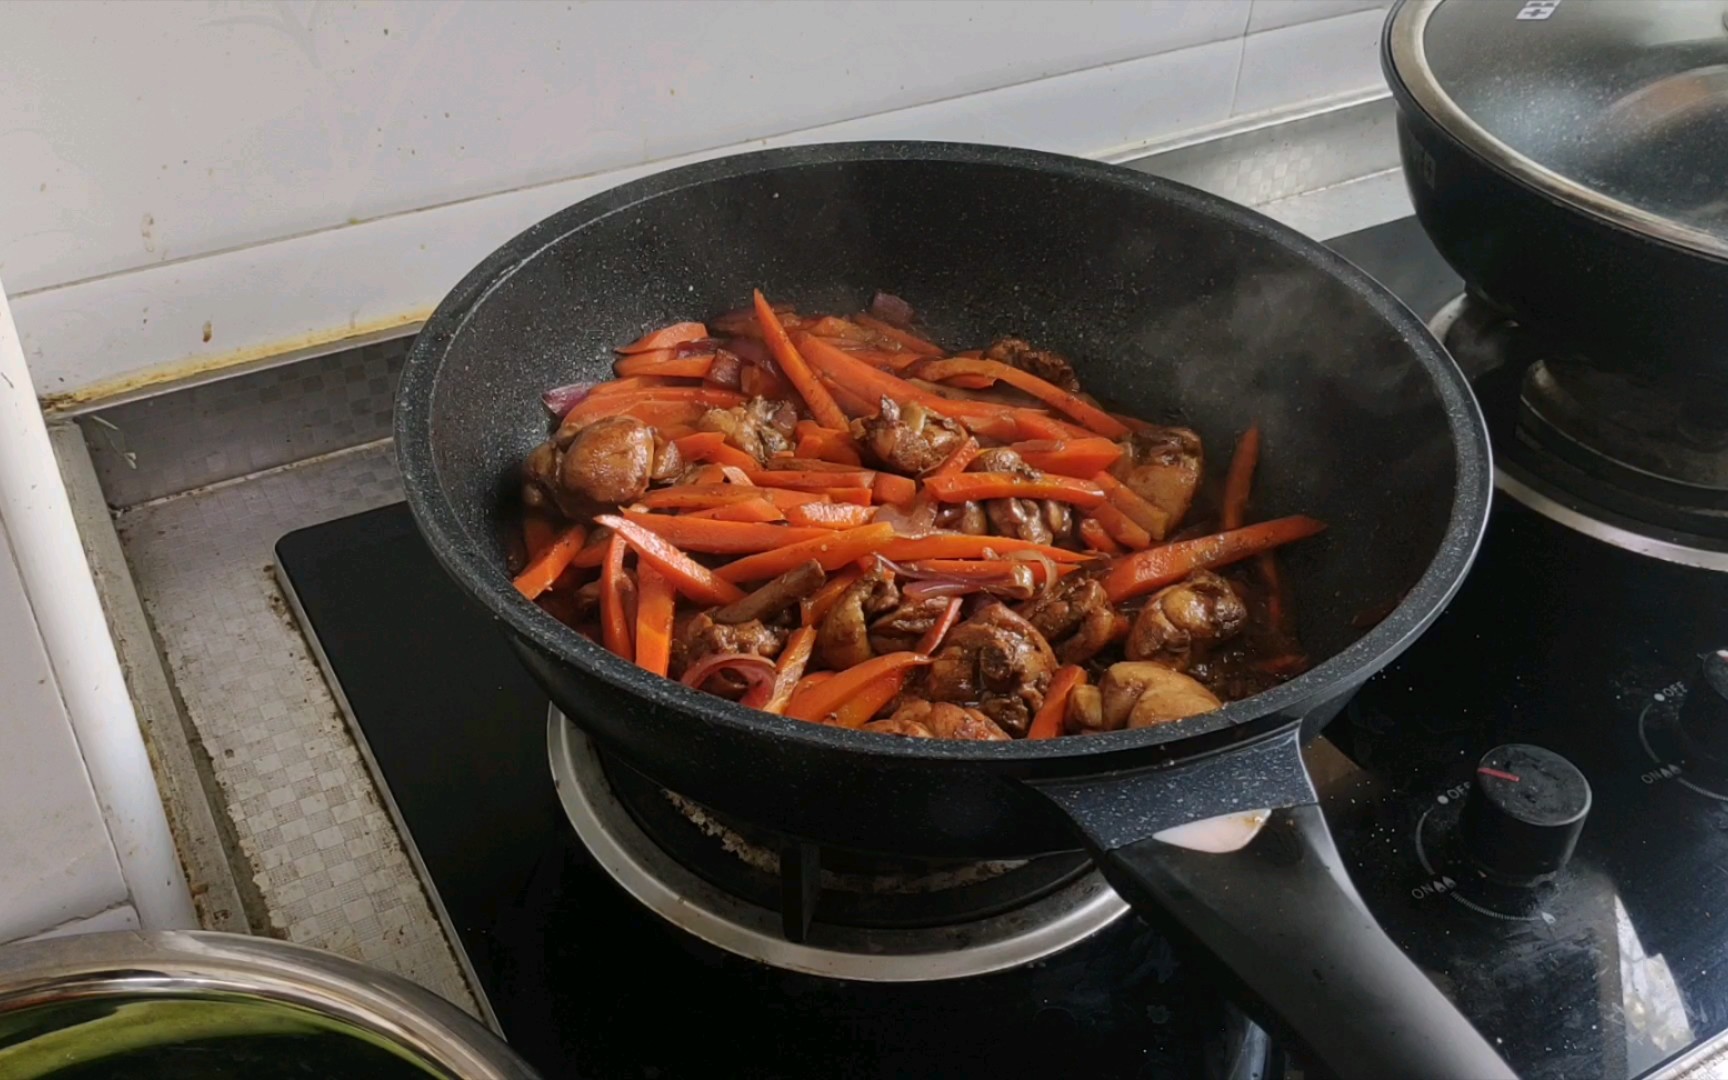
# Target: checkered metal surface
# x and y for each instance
(324, 853)
(202, 435)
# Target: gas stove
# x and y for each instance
(1534, 802)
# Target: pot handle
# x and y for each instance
(1279, 913)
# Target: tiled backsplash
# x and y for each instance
(196, 185)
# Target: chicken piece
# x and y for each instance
(1163, 466)
(909, 729)
(1022, 519)
(997, 662)
(1182, 622)
(945, 720)
(1085, 711)
(843, 639)
(1003, 460)
(967, 517)
(698, 636)
(776, 596)
(899, 629)
(1140, 693)
(761, 427)
(1052, 367)
(605, 463)
(1075, 616)
(908, 438)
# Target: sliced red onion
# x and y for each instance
(725, 369)
(928, 587)
(751, 668)
(562, 399)
(753, 352)
(696, 347)
(891, 309)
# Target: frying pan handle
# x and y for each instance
(1284, 921)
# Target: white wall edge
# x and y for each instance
(109, 338)
(68, 613)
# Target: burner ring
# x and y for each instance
(1549, 486)
(663, 885)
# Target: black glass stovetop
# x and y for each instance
(1616, 965)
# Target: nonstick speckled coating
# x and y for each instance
(1173, 304)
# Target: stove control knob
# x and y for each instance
(1704, 714)
(1524, 812)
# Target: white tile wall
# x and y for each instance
(155, 153)
(57, 863)
(1309, 60)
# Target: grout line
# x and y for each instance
(244, 478)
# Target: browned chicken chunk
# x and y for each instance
(760, 427)
(1075, 616)
(843, 639)
(997, 662)
(899, 629)
(1136, 694)
(1182, 622)
(945, 720)
(1050, 366)
(910, 729)
(967, 517)
(605, 463)
(908, 438)
(1163, 466)
(699, 636)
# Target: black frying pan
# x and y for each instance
(1174, 305)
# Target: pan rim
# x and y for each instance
(438, 522)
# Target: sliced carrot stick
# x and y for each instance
(757, 510)
(806, 687)
(632, 384)
(827, 698)
(1032, 424)
(667, 336)
(1069, 457)
(826, 515)
(909, 341)
(614, 623)
(538, 532)
(871, 385)
(1052, 716)
(540, 573)
(832, 549)
(688, 576)
(1085, 412)
(893, 489)
(851, 402)
(1240, 479)
(665, 363)
(965, 487)
(832, 326)
(787, 461)
(824, 444)
(604, 404)
(654, 603)
(932, 639)
(1144, 514)
(1122, 528)
(1098, 538)
(593, 553)
(867, 700)
(816, 397)
(966, 546)
(708, 496)
(1142, 572)
(956, 462)
(721, 537)
(863, 496)
(788, 669)
(712, 446)
(801, 480)
(817, 606)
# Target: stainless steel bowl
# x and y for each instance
(175, 1002)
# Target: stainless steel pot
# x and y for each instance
(129, 1002)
